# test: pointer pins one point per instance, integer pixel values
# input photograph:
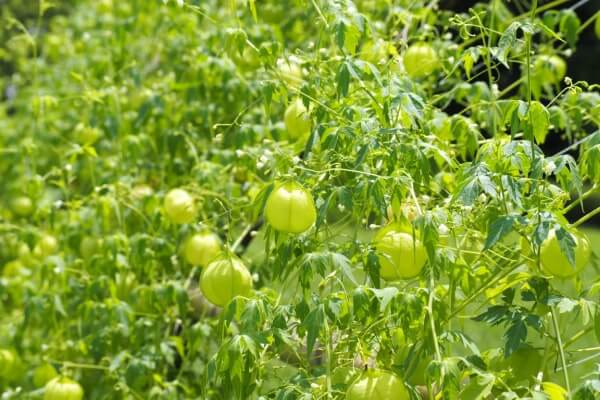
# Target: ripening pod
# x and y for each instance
(202, 248)
(63, 388)
(8, 361)
(43, 374)
(46, 246)
(179, 206)
(549, 68)
(290, 71)
(297, 119)
(420, 60)
(290, 208)
(224, 279)
(556, 263)
(401, 255)
(22, 206)
(377, 385)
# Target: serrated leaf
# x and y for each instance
(506, 42)
(539, 120)
(569, 27)
(567, 244)
(343, 80)
(313, 323)
(501, 227)
(385, 296)
(252, 6)
(597, 324)
(514, 335)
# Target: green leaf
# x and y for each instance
(507, 42)
(340, 262)
(597, 324)
(569, 27)
(343, 79)
(372, 267)
(313, 323)
(501, 227)
(252, 6)
(385, 296)
(591, 163)
(479, 386)
(539, 121)
(515, 335)
(567, 244)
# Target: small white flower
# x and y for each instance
(443, 229)
(549, 167)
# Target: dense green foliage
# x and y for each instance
(326, 143)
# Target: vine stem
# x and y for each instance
(320, 13)
(69, 364)
(580, 199)
(577, 336)
(586, 217)
(329, 362)
(438, 353)
(241, 237)
(588, 22)
(481, 289)
(561, 350)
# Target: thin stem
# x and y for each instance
(329, 350)
(69, 364)
(561, 350)
(241, 237)
(481, 289)
(588, 22)
(577, 336)
(438, 353)
(314, 3)
(586, 217)
(580, 199)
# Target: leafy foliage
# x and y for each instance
(112, 104)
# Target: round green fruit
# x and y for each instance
(290, 208)
(297, 119)
(46, 246)
(8, 361)
(375, 52)
(43, 374)
(88, 247)
(22, 206)
(377, 385)
(63, 388)
(549, 68)
(400, 255)
(179, 206)
(25, 255)
(202, 248)
(420, 60)
(290, 71)
(87, 135)
(556, 263)
(224, 279)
